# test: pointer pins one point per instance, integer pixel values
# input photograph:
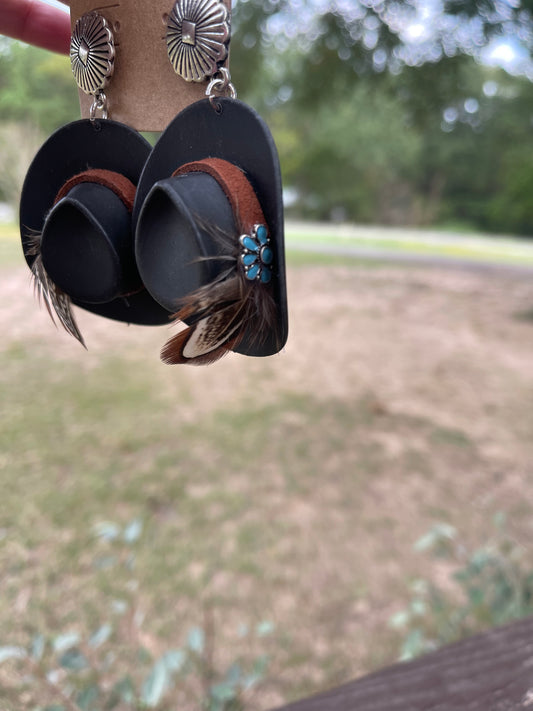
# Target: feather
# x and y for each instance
(207, 340)
(219, 313)
(58, 304)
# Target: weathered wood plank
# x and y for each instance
(489, 672)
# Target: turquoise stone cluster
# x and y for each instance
(257, 255)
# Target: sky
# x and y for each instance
(55, 3)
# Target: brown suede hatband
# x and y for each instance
(119, 184)
(235, 185)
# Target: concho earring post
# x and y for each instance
(92, 56)
(197, 38)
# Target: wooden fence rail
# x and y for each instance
(489, 672)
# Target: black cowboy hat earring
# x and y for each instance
(77, 201)
(208, 211)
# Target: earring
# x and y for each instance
(208, 211)
(197, 38)
(92, 58)
(76, 226)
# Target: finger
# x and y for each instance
(36, 23)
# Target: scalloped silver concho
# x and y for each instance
(197, 38)
(92, 52)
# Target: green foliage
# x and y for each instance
(250, 45)
(489, 586)
(104, 671)
(19, 141)
(37, 95)
(510, 208)
(36, 87)
(358, 142)
(492, 16)
(359, 153)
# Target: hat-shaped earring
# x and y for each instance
(208, 211)
(77, 200)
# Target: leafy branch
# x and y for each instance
(111, 669)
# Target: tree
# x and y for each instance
(36, 87)
(347, 84)
(351, 159)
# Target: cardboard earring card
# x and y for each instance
(144, 92)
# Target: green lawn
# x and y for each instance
(10, 247)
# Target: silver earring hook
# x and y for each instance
(99, 104)
(220, 86)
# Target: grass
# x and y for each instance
(10, 247)
(289, 488)
(107, 446)
(214, 492)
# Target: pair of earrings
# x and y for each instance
(191, 230)
(197, 39)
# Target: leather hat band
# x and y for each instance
(123, 188)
(235, 185)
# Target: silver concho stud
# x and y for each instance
(197, 38)
(92, 52)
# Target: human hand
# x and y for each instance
(36, 23)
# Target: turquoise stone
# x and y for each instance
(266, 275)
(248, 259)
(248, 243)
(267, 255)
(262, 234)
(253, 272)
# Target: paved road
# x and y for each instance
(350, 234)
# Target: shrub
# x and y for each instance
(104, 671)
(490, 586)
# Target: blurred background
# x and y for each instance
(238, 536)
(401, 113)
